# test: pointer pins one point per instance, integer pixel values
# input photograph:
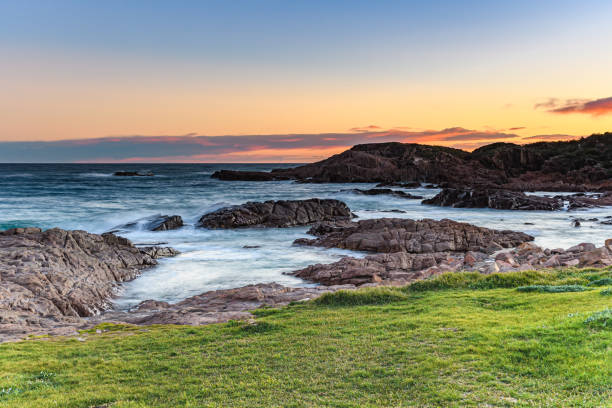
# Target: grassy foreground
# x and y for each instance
(458, 340)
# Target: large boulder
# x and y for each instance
(50, 279)
(415, 236)
(276, 214)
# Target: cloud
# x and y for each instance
(289, 148)
(595, 107)
(368, 128)
(551, 137)
(518, 128)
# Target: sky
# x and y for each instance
(295, 81)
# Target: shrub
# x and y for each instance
(606, 292)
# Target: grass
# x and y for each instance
(457, 340)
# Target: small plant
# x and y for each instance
(606, 292)
(600, 320)
(552, 289)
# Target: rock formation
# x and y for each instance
(514, 200)
(405, 235)
(276, 214)
(50, 279)
(491, 198)
(576, 165)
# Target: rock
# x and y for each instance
(406, 235)
(166, 222)
(231, 175)
(507, 258)
(576, 223)
(385, 191)
(399, 267)
(583, 247)
(608, 244)
(218, 306)
(157, 222)
(498, 199)
(276, 214)
(50, 279)
(251, 246)
(133, 174)
(157, 252)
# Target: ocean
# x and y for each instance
(89, 197)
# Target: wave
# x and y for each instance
(95, 175)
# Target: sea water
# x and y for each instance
(89, 197)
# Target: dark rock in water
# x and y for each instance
(154, 223)
(576, 223)
(410, 184)
(579, 201)
(405, 235)
(157, 252)
(232, 175)
(251, 246)
(165, 223)
(276, 214)
(491, 198)
(50, 279)
(385, 191)
(133, 174)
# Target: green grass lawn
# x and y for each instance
(458, 340)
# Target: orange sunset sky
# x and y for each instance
(298, 81)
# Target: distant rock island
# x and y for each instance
(576, 165)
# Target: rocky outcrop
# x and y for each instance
(515, 200)
(576, 165)
(498, 199)
(276, 214)
(384, 191)
(50, 279)
(219, 305)
(400, 268)
(414, 236)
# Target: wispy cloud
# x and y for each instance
(291, 148)
(550, 137)
(594, 107)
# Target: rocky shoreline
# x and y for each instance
(58, 282)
